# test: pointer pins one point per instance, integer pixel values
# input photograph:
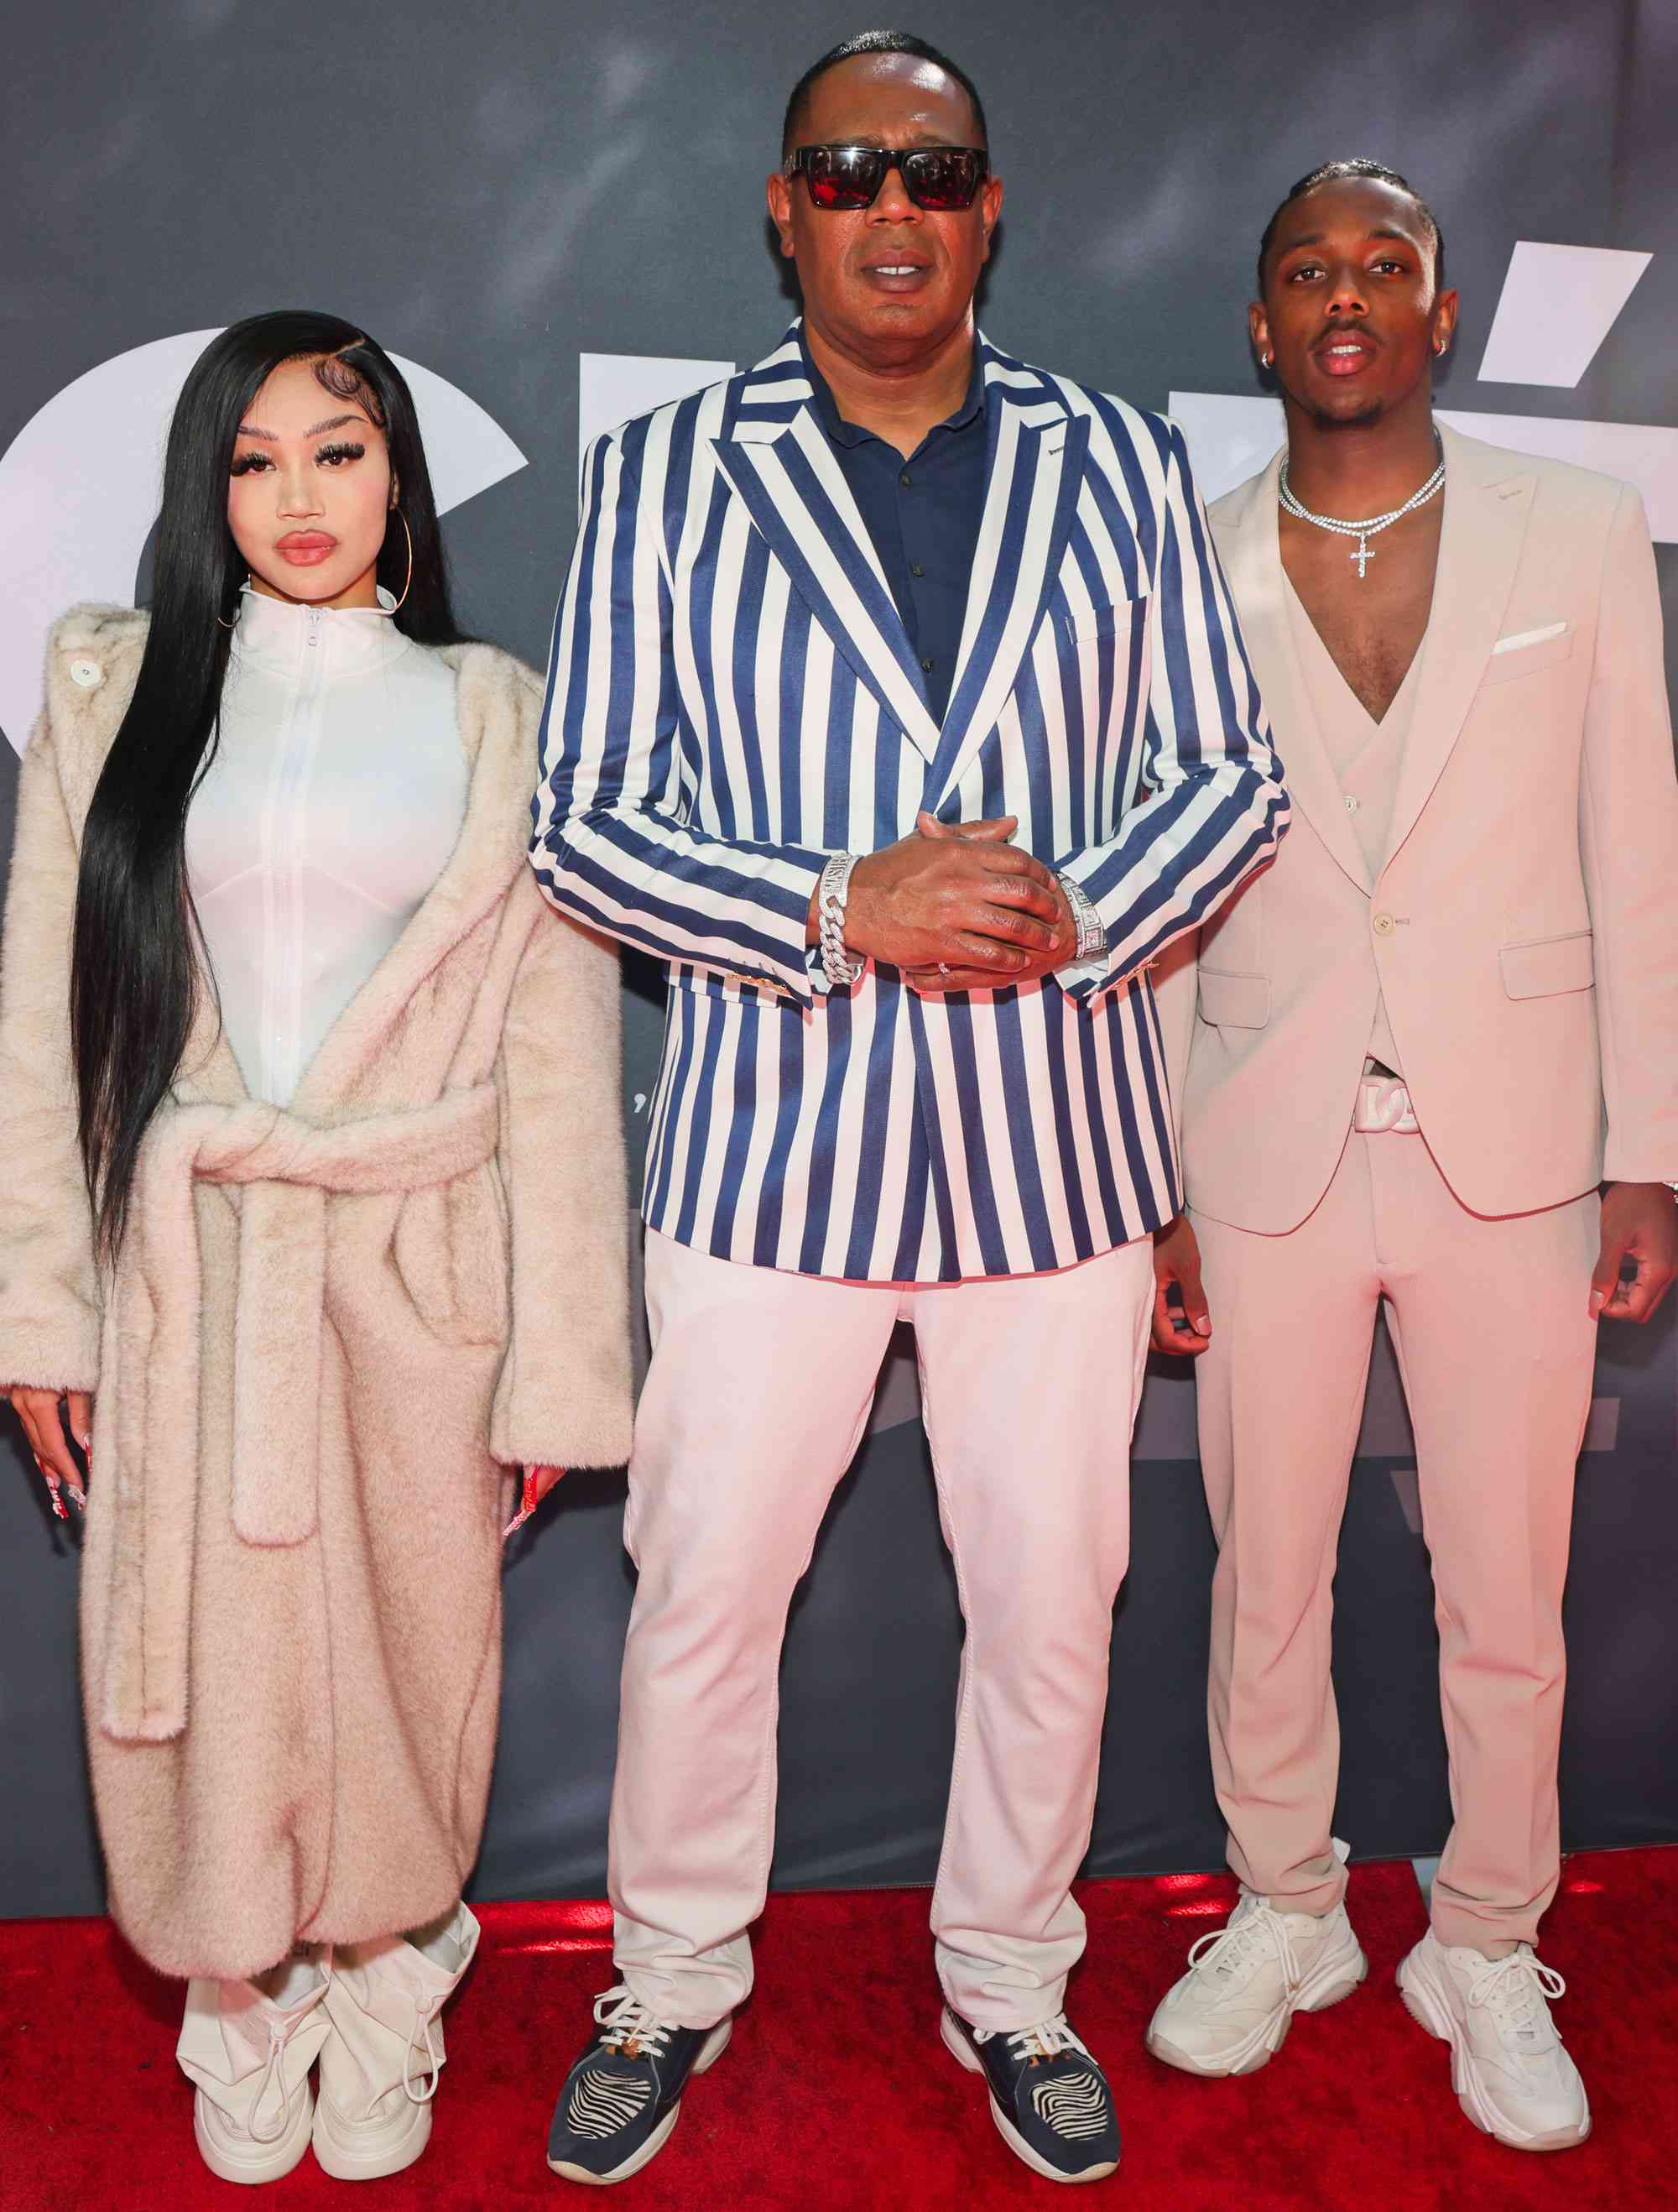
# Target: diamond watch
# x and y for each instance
(1092, 932)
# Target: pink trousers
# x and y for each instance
(760, 1387)
(1496, 1346)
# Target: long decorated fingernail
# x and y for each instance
(78, 1497)
(52, 1482)
(527, 1504)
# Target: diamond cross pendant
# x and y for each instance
(1363, 556)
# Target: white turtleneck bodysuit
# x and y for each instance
(334, 799)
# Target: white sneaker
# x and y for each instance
(1231, 2011)
(1511, 2074)
(379, 2064)
(247, 2047)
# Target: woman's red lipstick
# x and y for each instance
(305, 548)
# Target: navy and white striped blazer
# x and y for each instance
(731, 697)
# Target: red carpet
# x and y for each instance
(837, 2092)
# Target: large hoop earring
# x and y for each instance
(408, 580)
(222, 619)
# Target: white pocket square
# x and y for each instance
(1529, 637)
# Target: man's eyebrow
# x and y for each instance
(1316, 238)
(314, 430)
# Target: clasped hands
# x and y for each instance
(957, 908)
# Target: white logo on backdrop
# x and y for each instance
(1559, 303)
(79, 488)
(615, 387)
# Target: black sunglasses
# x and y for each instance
(939, 179)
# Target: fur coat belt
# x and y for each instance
(277, 1170)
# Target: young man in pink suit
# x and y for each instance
(1405, 1057)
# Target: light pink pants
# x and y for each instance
(760, 1386)
(1495, 1344)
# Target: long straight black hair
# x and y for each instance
(136, 973)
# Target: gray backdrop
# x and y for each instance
(494, 193)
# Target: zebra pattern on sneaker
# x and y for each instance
(1048, 2097)
(620, 2100)
(601, 2103)
(1075, 2107)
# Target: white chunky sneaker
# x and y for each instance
(247, 2047)
(1512, 2075)
(379, 2064)
(1231, 2011)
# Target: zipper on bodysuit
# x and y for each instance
(292, 760)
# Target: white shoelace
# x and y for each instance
(1513, 1990)
(1048, 2039)
(419, 2037)
(1257, 1929)
(603, 2103)
(629, 2023)
(273, 2072)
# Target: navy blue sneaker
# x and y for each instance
(1048, 2097)
(624, 2096)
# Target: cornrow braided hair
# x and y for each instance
(1331, 172)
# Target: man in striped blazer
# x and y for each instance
(897, 704)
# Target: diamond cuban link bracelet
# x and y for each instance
(831, 894)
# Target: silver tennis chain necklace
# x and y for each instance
(1362, 531)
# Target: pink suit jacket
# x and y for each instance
(1522, 925)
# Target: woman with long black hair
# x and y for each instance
(315, 1230)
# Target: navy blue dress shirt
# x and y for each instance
(923, 515)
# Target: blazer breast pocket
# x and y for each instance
(1120, 620)
(1524, 653)
(1232, 1001)
(1545, 967)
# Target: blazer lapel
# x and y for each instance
(779, 461)
(1250, 543)
(1034, 467)
(1488, 501)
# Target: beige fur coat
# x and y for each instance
(332, 1334)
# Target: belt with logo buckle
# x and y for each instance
(1384, 1103)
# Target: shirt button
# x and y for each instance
(906, 479)
(1383, 925)
(1351, 804)
(927, 666)
(915, 569)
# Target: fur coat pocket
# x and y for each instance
(453, 1251)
